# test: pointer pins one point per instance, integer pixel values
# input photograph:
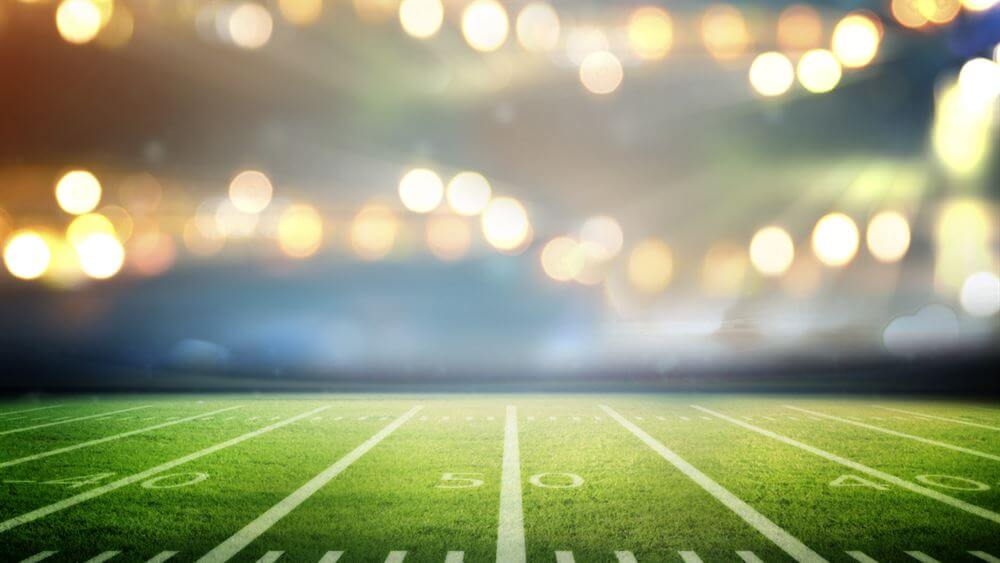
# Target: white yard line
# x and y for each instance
(143, 475)
(77, 419)
(625, 557)
(913, 487)
(396, 557)
(455, 557)
(922, 557)
(39, 556)
(108, 438)
(271, 557)
(562, 557)
(985, 556)
(510, 533)
(898, 434)
(690, 557)
(861, 557)
(749, 557)
(8, 413)
(101, 558)
(227, 549)
(331, 557)
(161, 557)
(788, 543)
(935, 417)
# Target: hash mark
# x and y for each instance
(564, 557)
(39, 556)
(331, 557)
(985, 556)
(102, 557)
(922, 557)
(162, 556)
(861, 556)
(395, 557)
(625, 557)
(455, 557)
(270, 557)
(690, 557)
(749, 557)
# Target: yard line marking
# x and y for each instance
(107, 439)
(8, 413)
(946, 419)
(77, 419)
(510, 532)
(922, 557)
(143, 475)
(161, 556)
(562, 557)
(788, 543)
(861, 556)
(270, 557)
(625, 557)
(331, 557)
(690, 557)
(900, 434)
(661, 418)
(749, 557)
(101, 558)
(230, 547)
(913, 487)
(395, 557)
(985, 556)
(684, 418)
(39, 556)
(455, 557)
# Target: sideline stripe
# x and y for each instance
(510, 534)
(142, 476)
(749, 557)
(331, 557)
(946, 419)
(103, 557)
(861, 557)
(8, 413)
(230, 547)
(455, 557)
(899, 434)
(625, 557)
(788, 543)
(395, 557)
(77, 419)
(563, 557)
(270, 557)
(109, 438)
(39, 556)
(941, 497)
(985, 556)
(162, 556)
(690, 557)
(922, 557)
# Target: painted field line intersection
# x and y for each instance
(901, 483)
(934, 417)
(238, 541)
(143, 475)
(781, 538)
(67, 421)
(97, 441)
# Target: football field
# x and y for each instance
(507, 478)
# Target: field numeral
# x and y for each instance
(174, 480)
(80, 480)
(952, 482)
(545, 480)
(460, 481)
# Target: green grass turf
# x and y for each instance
(392, 498)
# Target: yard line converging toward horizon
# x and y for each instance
(67, 421)
(510, 532)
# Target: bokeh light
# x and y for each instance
(78, 21)
(448, 236)
(978, 5)
(596, 263)
(601, 72)
(140, 193)
(980, 295)
(650, 32)
(250, 25)
(724, 32)
(375, 11)
(421, 18)
(374, 231)
(86, 225)
(505, 224)
(835, 239)
(888, 236)
(799, 28)
(469, 193)
(723, 270)
(301, 12)
(78, 192)
(27, 255)
(197, 242)
(772, 251)
(561, 259)
(818, 71)
(908, 13)
(233, 223)
(538, 27)
(650, 266)
(421, 190)
(485, 25)
(856, 40)
(117, 32)
(963, 135)
(771, 74)
(300, 231)
(605, 233)
(939, 11)
(121, 219)
(250, 191)
(964, 236)
(151, 252)
(101, 255)
(979, 80)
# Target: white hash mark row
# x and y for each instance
(560, 557)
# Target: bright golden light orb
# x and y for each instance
(561, 259)
(978, 5)
(301, 12)
(908, 13)
(78, 21)
(300, 231)
(771, 74)
(939, 11)
(603, 232)
(485, 25)
(421, 190)
(724, 270)
(650, 266)
(835, 239)
(78, 192)
(650, 32)
(888, 236)
(819, 71)
(421, 18)
(101, 255)
(772, 251)
(601, 72)
(538, 27)
(505, 224)
(250, 26)
(724, 32)
(117, 32)
(373, 232)
(27, 255)
(799, 28)
(856, 40)
(469, 193)
(250, 191)
(448, 236)
(86, 225)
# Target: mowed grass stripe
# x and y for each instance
(510, 532)
(238, 541)
(67, 421)
(113, 437)
(896, 433)
(935, 417)
(8, 413)
(143, 475)
(785, 541)
(902, 483)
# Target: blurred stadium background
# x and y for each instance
(199, 193)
